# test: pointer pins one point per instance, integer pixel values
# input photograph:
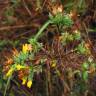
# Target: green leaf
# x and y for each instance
(62, 19)
(66, 20)
(35, 45)
(77, 36)
(85, 65)
(81, 48)
(20, 58)
(85, 75)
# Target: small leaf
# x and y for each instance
(85, 65)
(77, 35)
(85, 75)
(81, 48)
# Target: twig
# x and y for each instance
(26, 7)
(44, 4)
(17, 27)
(47, 53)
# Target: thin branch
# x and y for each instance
(26, 7)
(18, 27)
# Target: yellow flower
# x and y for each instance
(29, 84)
(25, 48)
(9, 73)
(53, 63)
(19, 67)
(24, 81)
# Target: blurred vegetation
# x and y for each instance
(47, 48)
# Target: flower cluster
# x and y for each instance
(20, 64)
(29, 82)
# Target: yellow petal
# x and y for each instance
(53, 65)
(9, 73)
(23, 81)
(19, 67)
(29, 84)
(25, 48)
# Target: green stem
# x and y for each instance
(42, 29)
(8, 81)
